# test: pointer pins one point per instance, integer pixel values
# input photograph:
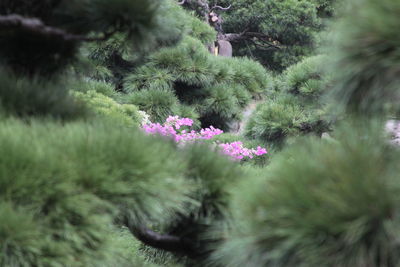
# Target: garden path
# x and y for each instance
(246, 116)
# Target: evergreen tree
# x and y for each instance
(276, 33)
(81, 185)
(295, 105)
(75, 187)
(331, 202)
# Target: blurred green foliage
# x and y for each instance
(319, 203)
(367, 57)
(70, 183)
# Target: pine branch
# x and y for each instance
(36, 26)
(165, 242)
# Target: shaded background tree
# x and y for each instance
(276, 33)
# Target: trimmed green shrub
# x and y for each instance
(200, 30)
(107, 108)
(250, 74)
(220, 107)
(320, 203)
(149, 77)
(294, 105)
(217, 87)
(307, 79)
(283, 117)
(20, 236)
(188, 62)
(100, 87)
(159, 104)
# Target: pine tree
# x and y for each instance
(75, 187)
(295, 106)
(331, 202)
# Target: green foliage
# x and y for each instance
(149, 77)
(367, 52)
(320, 203)
(189, 62)
(213, 174)
(120, 57)
(294, 106)
(283, 117)
(66, 187)
(307, 79)
(19, 235)
(140, 21)
(36, 97)
(64, 192)
(218, 88)
(326, 8)
(107, 108)
(93, 85)
(201, 31)
(220, 107)
(250, 74)
(159, 104)
(289, 27)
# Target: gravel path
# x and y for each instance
(393, 128)
(246, 116)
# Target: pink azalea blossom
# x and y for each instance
(170, 128)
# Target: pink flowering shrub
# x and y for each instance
(237, 151)
(173, 128)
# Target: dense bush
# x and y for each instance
(100, 87)
(159, 104)
(280, 32)
(282, 117)
(54, 51)
(308, 79)
(69, 182)
(21, 97)
(295, 105)
(81, 192)
(217, 88)
(214, 175)
(107, 108)
(120, 58)
(367, 53)
(331, 202)
(320, 204)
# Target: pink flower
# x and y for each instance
(260, 151)
(235, 150)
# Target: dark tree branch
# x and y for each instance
(36, 26)
(165, 242)
(245, 35)
(259, 39)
